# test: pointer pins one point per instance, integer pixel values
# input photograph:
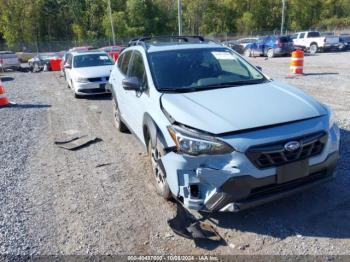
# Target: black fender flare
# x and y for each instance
(152, 133)
(110, 87)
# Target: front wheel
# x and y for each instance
(36, 68)
(158, 174)
(270, 53)
(248, 52)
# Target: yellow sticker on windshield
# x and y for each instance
(223, 56)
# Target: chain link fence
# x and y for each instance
(57, 46)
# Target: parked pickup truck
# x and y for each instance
(314, 42)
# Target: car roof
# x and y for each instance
(95, 52)
(166, 43)
(170, 47)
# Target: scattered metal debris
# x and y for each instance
(105, 164)
(243, 247)
(76, 141)
(64, 140)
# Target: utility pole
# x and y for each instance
(111, 20)
(179, 13)
(283, 10)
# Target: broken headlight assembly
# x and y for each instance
(195, 143)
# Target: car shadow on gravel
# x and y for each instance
(320, 74)
(7, 79)
(26, 106)
(323, 211)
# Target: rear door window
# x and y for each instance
(137, 68)
(125, 62)
(120, 60)
(69, 59)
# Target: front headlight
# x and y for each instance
(194, 143)
(82, 80)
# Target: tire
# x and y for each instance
(77, 96)
(313, 48)
(247, 52)
(158, 175)
(119, 124)
(36, 68)
(270, 53)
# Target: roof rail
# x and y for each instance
(167, 38)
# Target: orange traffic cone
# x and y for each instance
(3, 99)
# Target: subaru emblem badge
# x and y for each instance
(292, 146)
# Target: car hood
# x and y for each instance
(95, 71)
(242, 107)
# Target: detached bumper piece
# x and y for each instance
(244, 192)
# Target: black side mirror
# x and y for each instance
(259, 68)
(131, 83)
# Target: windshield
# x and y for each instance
(92, 60)
(46, 57)
(196, 69)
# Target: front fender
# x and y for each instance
(152, 133)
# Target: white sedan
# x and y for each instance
(87, 73)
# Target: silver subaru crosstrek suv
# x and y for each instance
(221, 135)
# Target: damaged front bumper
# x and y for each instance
(243, 192)
(232, 182)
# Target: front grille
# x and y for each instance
(92, 90)
(274, 154)
(265, 191)
(98, 79)
(95, 79)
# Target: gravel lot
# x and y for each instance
(54, 201)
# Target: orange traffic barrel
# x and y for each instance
(3, 99)
(297, 62)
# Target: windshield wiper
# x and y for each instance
(232, 84)
(213, 86)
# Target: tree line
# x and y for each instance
(30, 21)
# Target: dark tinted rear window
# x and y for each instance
(285, 39)
(125, 62)
(313, 34)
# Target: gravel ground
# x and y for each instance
(54, 201)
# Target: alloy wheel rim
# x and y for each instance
(313, 49)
